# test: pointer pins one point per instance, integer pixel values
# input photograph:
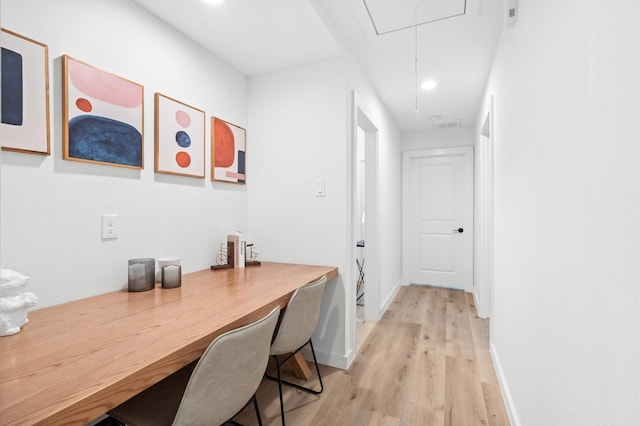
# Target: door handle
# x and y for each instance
(459, 230)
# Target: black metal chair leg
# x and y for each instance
(255, 405)
(253, 399)
(315, 361)
(280, 389)
(295, 385)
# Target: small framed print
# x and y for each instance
(25, 94)
(179, 138)
(102, 116)
(228, 148)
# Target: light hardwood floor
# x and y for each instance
(426, 362)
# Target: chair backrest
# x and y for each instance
(228, 374)
(300, 318)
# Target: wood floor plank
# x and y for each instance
(464, 399)
(496, 412)
(480, 335)
(374, 418)
(434, 327)
(426, 388)
(459, 341)
(471, 305)
(425, 363)
(401, 300)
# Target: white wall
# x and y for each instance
(300, 132)
(50, 208)
(565, 330)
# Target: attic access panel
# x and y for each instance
(393, 15)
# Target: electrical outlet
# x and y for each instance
(109, 226)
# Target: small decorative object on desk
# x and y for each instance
(14, 301)
(142, 274)
(171, 276)
(221, 258)
(252, 255)
(165, 261)
(239, 245)
(225, 257)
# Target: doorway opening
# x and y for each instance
(364, 224)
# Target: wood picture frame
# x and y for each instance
(25, 94)
(103, 116)
(179, 138)
(228, 152)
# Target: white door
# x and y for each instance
(439, 217)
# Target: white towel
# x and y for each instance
(13, 312)
(12, 282)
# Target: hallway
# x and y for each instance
(426, 362)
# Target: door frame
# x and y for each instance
(360, 117)
(407, 157)
(372, 285)
(484, 211)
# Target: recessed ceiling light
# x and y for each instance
(429, 84)
(214, 1)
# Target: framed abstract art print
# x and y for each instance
(25, 94)
(228, 148)
(102, 116)
(179, 138)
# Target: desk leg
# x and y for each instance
(299, 367)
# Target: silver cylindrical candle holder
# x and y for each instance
(142, 274)
(171, 276)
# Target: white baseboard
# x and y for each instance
(506, 394)
(479, 307)
(388, 300)
(330, 359)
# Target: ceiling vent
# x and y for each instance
(447, 124)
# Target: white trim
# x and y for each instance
(506, 394)
(331, 359)
(475, 301)
(484, 216)
(388, 300)
(348, 275)
(359, 117)
(363, 120)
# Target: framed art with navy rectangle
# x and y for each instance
(25, 94)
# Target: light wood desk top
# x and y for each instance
(75, 361)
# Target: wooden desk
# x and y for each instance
(74, 362)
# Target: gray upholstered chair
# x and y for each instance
(297, 323)
(213, 390)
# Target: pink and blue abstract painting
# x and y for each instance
(103, 116)
(179, 137)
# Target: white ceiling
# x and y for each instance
(258, 36)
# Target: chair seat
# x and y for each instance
(212, 390)
(158, 405)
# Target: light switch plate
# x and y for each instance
(320, 188)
